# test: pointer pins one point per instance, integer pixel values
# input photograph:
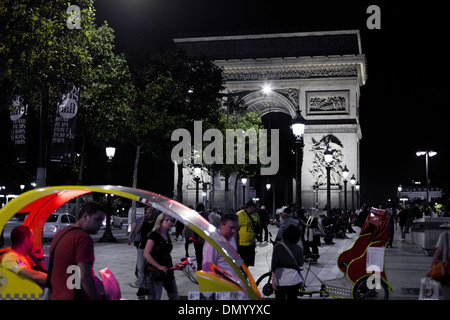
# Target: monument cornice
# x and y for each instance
(342, 128)
(350, 66)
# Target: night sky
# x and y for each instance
(403, 104)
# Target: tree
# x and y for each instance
(108, 93)
(241, 119)
(42, 55)
(172, 93)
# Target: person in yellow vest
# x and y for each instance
(24, 258)
(249, 225)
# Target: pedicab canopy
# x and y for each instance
(377, 224)
(39, 203)
(373, 237)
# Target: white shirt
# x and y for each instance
(211, 255)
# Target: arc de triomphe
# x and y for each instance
(319, 73)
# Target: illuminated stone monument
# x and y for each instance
(319, 73)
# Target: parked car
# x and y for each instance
(116, 222)
(56, 222)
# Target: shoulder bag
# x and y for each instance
(292, 255)
(255, 225)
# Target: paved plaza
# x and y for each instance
(405, 264)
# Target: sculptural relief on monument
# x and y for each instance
(319, 171)
(327, 102)
(189, 177)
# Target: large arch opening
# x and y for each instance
(281, 190)
(276, 112)
(265, 103)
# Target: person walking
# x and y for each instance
(228, 226)
(73, 246)
(287, 258)
(312, 238)
(442, 253)
(248, 225)
(402, 219)
(140, 230)
(157, 252)
(215, 217)
(264, 216)
(199, 241)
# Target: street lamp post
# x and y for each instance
(353, 182)
(427, 154)
(197, 172)
(316, 195)
(345, 175)
(358, 188)
(244, 182)
(328, 157)
(107, 235)
(298, 129)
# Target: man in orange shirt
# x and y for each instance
(24, 258)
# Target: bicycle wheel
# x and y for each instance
(369, 288)
(264, 285)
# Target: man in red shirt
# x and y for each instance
(72, 275)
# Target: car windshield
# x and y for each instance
(52, 218)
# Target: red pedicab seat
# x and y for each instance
(354, 262)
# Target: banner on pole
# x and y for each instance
(18, 113)
(63, 140)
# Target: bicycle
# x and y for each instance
(265, 285)
(187, 266)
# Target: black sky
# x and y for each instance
(404, 102)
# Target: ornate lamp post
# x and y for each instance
(298, 129)
(328, 157)
(358, 188)
(244, 183)
(197, 172)
(345, 175)
(353, 182)
(107, 235)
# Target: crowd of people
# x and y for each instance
(297, 240)
(301, 232)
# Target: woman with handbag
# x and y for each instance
(287, 259)
(439, 270)
(157, 253)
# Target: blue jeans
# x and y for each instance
(169, 285)
(143, 280)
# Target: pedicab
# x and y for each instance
(41, 202)
(363, 264)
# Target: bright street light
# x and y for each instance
(110, 152)
(298, 125)
(427, 154)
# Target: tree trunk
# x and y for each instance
(81, 171)
(41, 174)
(135, 179)
(82, 159)
(180, 183)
